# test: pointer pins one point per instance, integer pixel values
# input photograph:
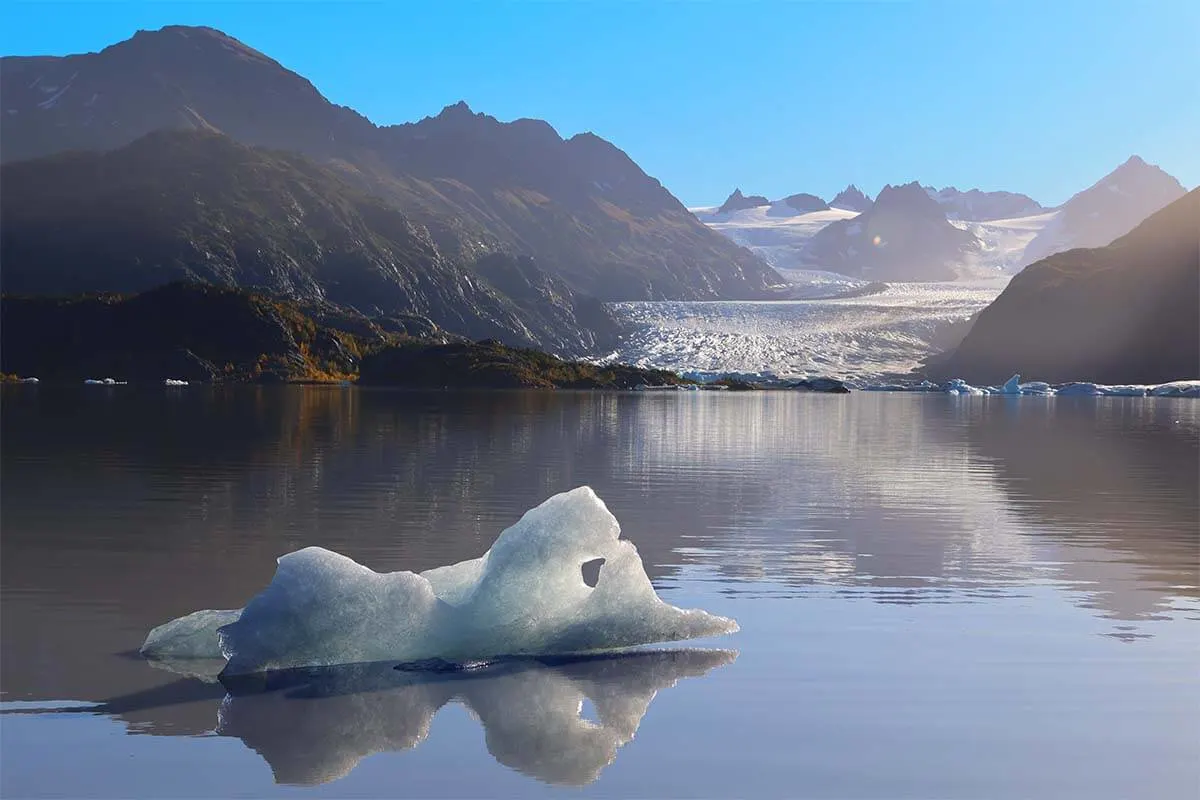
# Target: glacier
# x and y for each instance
(527, 595)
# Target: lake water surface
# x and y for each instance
(938, 596)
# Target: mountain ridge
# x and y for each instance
(579, 206)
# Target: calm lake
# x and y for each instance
(939, 596)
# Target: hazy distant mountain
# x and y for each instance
(580, 206)
(1108, 209)
(851, 199)
(1125, 313)
(190, 205)
(976, 205)
(805, 203)
(739, 202)
(903, 236)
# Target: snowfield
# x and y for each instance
(1004, 240)
(881, 330)
(778, 234)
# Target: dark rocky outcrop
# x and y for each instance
(822, 385)
(740, 202)
(1125, 313)
(805, 203)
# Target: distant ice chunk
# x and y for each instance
(525, 596)
(1080, 390)
(174, 382)
(959, 386)
(1040, 388)
(1123, 391)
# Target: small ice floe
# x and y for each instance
(1014, 388)
(105, 382)
(28, 380)
(531, 594)
(174, 382)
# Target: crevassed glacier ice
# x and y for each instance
(525, 596)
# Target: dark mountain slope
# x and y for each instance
(198, 206)
(192, 332)
(579, 206)
(1125, 313)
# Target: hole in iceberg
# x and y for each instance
(588, 713)
(591, 571)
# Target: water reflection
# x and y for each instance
(124, 509)
(313, 726)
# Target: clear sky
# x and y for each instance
(1039, 97)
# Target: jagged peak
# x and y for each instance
(852, 198)
(738, 201)
(457, 110)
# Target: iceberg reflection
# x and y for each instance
(314, 725)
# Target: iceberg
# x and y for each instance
(528, 595)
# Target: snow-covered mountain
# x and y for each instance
(1108, 209)
(904, 236)
(977, 205)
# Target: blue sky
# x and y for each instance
(1039, 97)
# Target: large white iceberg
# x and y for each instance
(526, 596)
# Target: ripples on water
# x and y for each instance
(910, 572)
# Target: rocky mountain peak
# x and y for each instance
(738, 201)
(851, 199)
